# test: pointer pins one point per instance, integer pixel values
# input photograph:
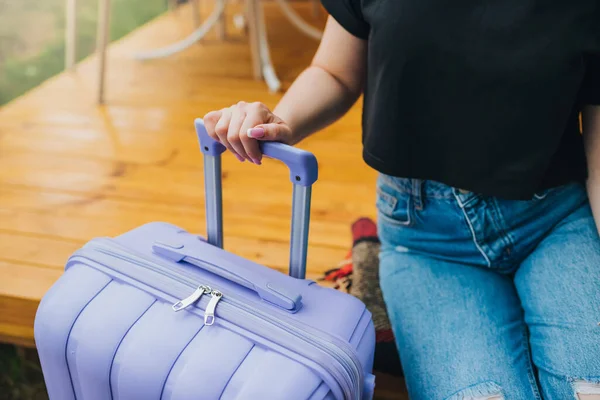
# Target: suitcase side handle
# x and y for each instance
(303, 173)
(231, 267)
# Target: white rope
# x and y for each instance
(194, 37)
(263, 48)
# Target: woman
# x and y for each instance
(490, 256)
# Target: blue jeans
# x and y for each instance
(490, 298)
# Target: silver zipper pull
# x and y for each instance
(192, 298)
(209, 314)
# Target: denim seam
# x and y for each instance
(494, 383)
(499, 224)
(437, 197)
(390, 219)
(546, 321)
(529, 363)
(571, 378)
(466, 198)
(461, 206)
(389, 199)
(510, 237)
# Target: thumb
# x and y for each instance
(271, 132)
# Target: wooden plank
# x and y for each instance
(50, 253)
(82, 219)
(21, 288)
(18, 165)
(241, 190)
(17, 335)
(34, 249)
(177, 150)
(98, 140)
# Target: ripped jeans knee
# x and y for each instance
(481, 391)
(586, 389)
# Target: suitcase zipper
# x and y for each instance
(191, 299)
(350, 378)
(209, 313)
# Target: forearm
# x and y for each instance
(593, 189)
(591, 133)
(315, 100)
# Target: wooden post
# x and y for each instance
(252, 17)
(102, 38)
(220, 27)
(196, 12)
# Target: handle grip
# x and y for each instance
(230, 267)
(303, 173)
(302, 164)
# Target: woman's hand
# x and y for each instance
(240, 126)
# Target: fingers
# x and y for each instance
(274, 132)
(241, 126)
(256, 115)
(221, 130)
(238, 115)
(210, 121)
(217, 125)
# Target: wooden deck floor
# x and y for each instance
(71, 171)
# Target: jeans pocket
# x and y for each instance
(394, 207)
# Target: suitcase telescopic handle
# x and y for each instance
(303, 173)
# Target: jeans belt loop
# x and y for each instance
(418, 194)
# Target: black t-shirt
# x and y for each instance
(483, 95)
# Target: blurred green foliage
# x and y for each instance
(20, 375)
(32, 47)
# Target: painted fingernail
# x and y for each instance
(239, 157)
(255, 161)
(256, 133)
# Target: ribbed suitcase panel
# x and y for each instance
(268, 375)
(145, 357)
(321, 392)
(55, 316)
(201, 370)
(96, 335)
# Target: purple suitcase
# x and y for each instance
(159, 313)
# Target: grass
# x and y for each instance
(32, 44)
(32, 50)
(20, 375)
